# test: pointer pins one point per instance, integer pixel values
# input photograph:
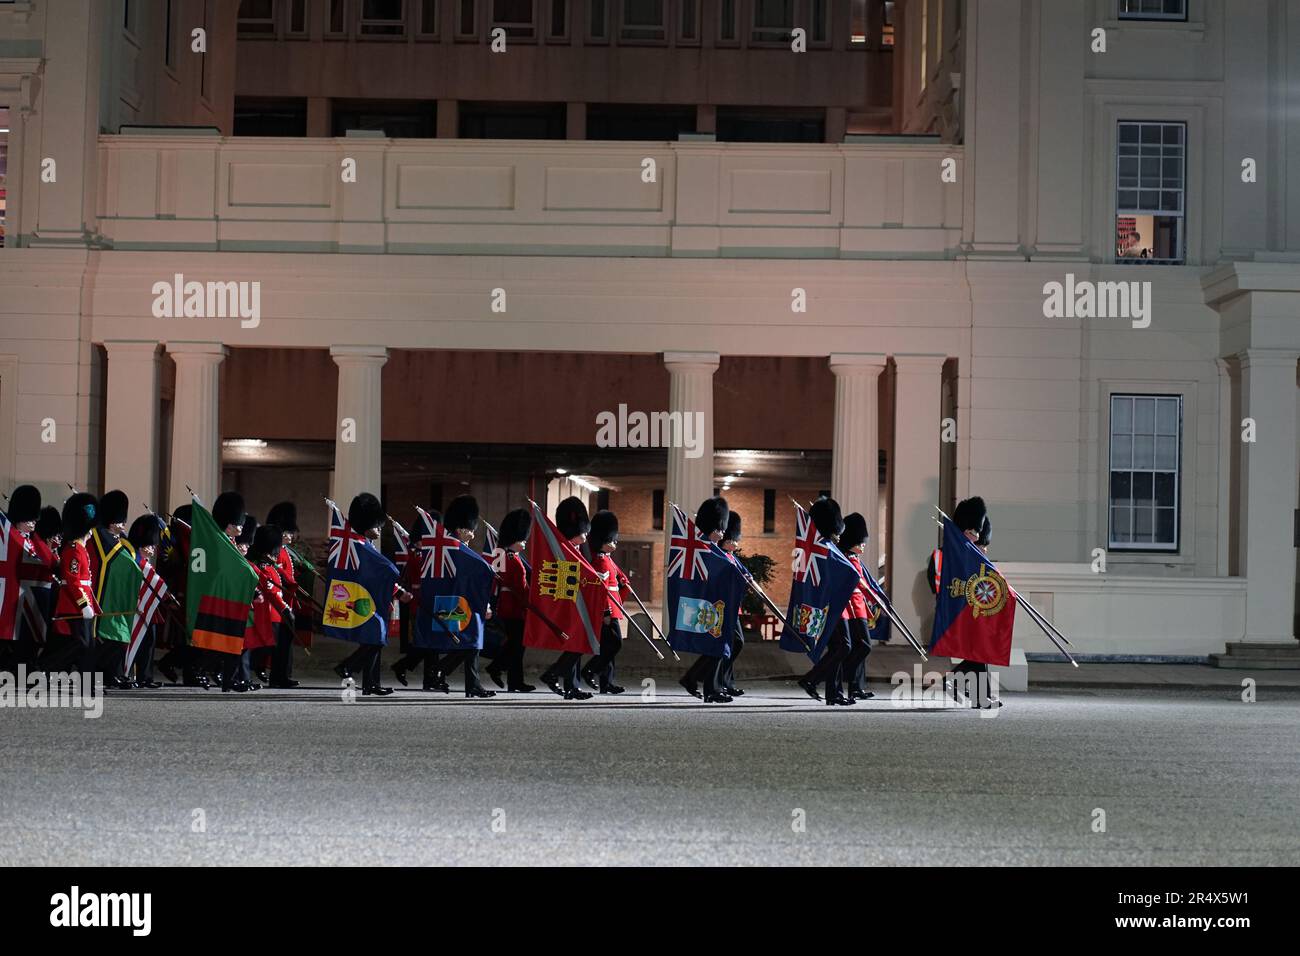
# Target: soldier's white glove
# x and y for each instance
(87, 612)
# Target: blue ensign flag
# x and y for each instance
(455, 587)
(823, 582)
(704, 592)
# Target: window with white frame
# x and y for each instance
(643, 20)
(516, 17)
(1150, 185)
(1145, 460)
(383, 18)
(1153, 9)
(256, 18)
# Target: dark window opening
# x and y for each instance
(744, 125)
(636, 122)
(255, 117)
(417, 120)
(657, 509)
(769, 511)
(512, 121)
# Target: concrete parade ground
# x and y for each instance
(1178, 775)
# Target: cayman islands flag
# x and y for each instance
(455, 587)
(704, 591)
(359, 586)
(976, 608)
(565, 594)
(823, 582)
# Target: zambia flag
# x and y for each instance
(455, 587)
(219, 589)
(976, 607)
(120, 578)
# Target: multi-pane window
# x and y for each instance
(597, 20)
(336, 23)
(887, 29)
(466, 20)
(1150, 184)
(688, 30)
(727, 21)
(428, 18)
(1153, 9)
(773, 21)
(515, 17)
(297, 25)
(256, 18)
(643, 20)
(559, 27)
(1145, 447)
(857, 21)
(383, 18)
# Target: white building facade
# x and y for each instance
(1140, 467)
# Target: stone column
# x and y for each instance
(196, 433)
(690, 392)
(131, 423)
(1269, 467)
(856, 448)
(912, 531)
(358, 431)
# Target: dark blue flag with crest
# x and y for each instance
(823, 582)
(704, 592)
(360, 584)
(455, 587)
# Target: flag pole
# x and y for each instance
(658, 630)
(887, 606)
(1036, 615)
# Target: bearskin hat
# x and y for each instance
(712, 516)
(365, 513)
(247, 532)
(461, 514)
(514, 527)
(985, 533)
(854, 533)
(733, 527)
(79, 513)
(970, 514)
(571, 517)
(50, 523)
(604, 529)
(113, 508)
(826, 516)
(24, 504)
(145, 531)
(266, 542)
(284, 516)
(228, 510)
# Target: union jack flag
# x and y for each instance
(34, 577)
(686, 549)
(809, 548)
(152, 592)
(403, 540)
(496, 556)
(343, 541)
(438, 545)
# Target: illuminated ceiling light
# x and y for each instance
(243, 443)
(561, 471)
(584, 484)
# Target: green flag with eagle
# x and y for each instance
(220, 586)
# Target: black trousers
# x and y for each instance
(855, 665)
(727, 669)
(511, 656)
(971, 678)
(470, 658)
(829, 669)
(565, 669)
(368, 661)
(234, 669)
(70, 652)
(282, 654)
(705, 670)
(414, 657)
(143, 662)
(601, 667)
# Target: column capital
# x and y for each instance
(138, 349)
(211, 351)
(359, 354)
(919, 362)
(1273, 358)
(692, 361)
(844, 363)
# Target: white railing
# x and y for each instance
(491, 197)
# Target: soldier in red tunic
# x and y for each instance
(285, 517)
(512, 601)
(599, 672)
(72, 644)
(573, 523)
(858, 614)
(35, 572)
(270, 609)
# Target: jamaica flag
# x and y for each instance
(120, 578)
(220, 588)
